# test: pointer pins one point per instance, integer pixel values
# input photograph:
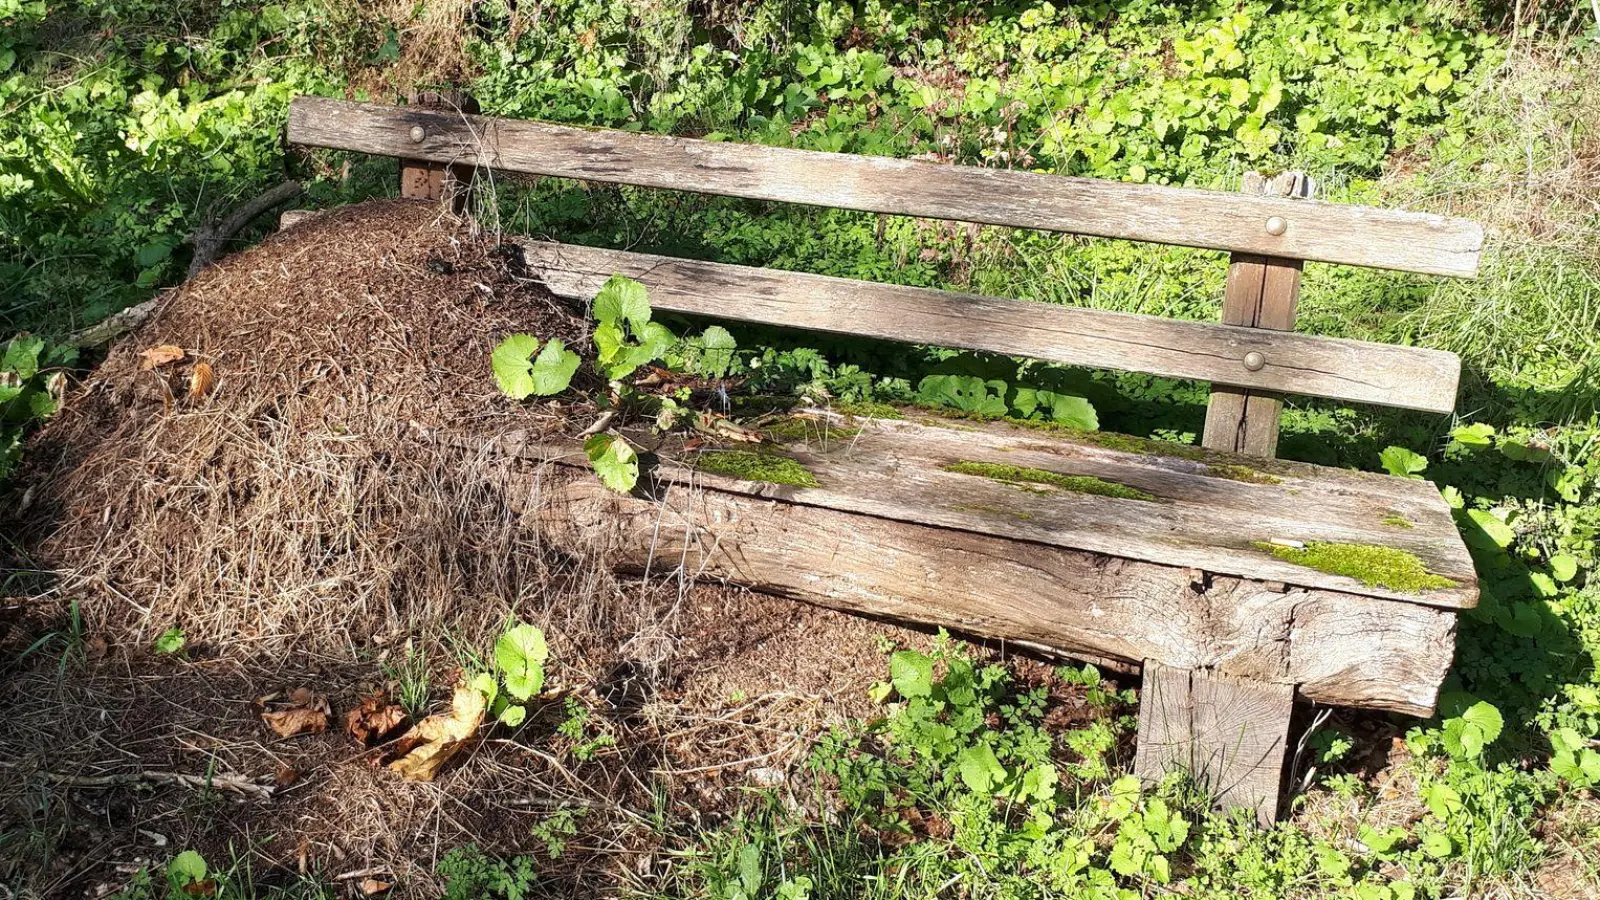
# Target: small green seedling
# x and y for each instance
(519, 658)
(171, 642)
(614, 460)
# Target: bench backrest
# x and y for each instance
(1269, 230)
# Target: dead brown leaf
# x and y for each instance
(423, 751)
(375, 719)
(304, 712)
(161, 355)
(202, 380)
(372, 887)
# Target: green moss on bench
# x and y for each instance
(1234, 472)
(869, 410)
(1023, 475)
(746, 466)
(799, 428)
(1397, 570)
(1395, 520)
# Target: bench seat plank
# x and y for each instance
(1356, 371)
(1326, 232)
(1204, 516)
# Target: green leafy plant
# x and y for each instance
(625, 338)
(171, 642)
(521, 374)
(188, 875)
(614, 460)
(518, 673)
(471, 874)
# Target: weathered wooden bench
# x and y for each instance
(1235, 580)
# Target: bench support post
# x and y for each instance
(1230, 733)
(1262, 292)
(424, 180)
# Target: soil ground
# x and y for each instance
(296, 524)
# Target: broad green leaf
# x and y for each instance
(520, 655)
(980, 770)
(1486, 718)
(1491, 527)
(750, 874)
(1401, 462)
(717, 357)
(186, 868)
(512, 361)
(513, 715)
(485, 684)
(22, 356)
(171, 641)
(1563, 567)
(1478, 434)
(1438, 845)
(621, 300)
(153, 253)
(614, 460)
(911, 673)
(553, 369)
(1438, 80)
(968, 393)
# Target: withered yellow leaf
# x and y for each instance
(425, 749)
(160, 355)
(202, 380)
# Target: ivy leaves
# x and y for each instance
(520, 374)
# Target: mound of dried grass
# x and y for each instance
(302, 501)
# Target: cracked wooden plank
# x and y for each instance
(1337, 648)
(1326, 232)
(1359, 372)
(1210, 512)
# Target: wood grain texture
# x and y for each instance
(1355, 235)
(1408, 377)
(1261, 292)
(1230, 733)
(1202, 520)
(1338, 648)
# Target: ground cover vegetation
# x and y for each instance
(129, 124)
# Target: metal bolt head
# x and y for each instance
(418, 133)
(1254, 360)
(1277, 225)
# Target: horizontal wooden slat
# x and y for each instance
(1204, 517)
(1335, 648)
(1354, 235)
(1381, 374)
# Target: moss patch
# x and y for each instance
(1395, 520)
(799, 428)
(1024, 476)
(1241, 473)
(768, 467)
(1397, 570)
(869, 410)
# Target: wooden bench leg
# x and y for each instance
(1230, 733)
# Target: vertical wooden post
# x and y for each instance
(1262, 292)
(1230, 733)
(424, 180)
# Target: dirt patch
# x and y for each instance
(301, 525)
